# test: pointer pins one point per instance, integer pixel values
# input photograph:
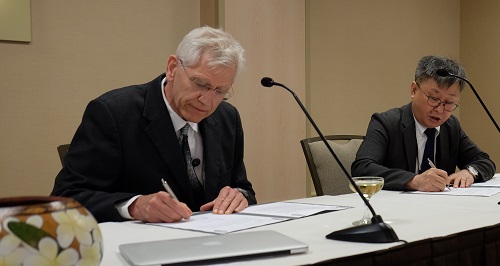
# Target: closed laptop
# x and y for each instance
(211, 248)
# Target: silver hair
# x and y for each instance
(223, 49)
(428, 65)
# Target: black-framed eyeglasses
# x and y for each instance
(436, 102)
(203, 86)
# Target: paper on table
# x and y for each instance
(221, 223)
(470, 191)
(494, 182)
(252, 216)
(290, 209)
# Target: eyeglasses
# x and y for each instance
(204, 86)
(435, 102)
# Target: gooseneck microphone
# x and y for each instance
(377, 231)
(444, 73)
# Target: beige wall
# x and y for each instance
(362, 56)
(480, 53)
(79, 50)
(273, 122)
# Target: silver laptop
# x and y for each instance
(211, 249)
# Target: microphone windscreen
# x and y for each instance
(195, 162)
(267, 82)
(443, 73)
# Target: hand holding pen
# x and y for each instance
(159, 207)
(432, 165)
(168, 189)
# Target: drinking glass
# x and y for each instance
(368, 185)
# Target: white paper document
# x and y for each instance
(469, 191)
(221, 223)
(290, 209)
(252, 216)
(495, 182)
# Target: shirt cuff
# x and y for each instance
(122, 207)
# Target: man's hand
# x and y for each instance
(159, 207)
(229, 200)
(431, 180)
(461, 179)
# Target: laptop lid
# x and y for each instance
(210, 248)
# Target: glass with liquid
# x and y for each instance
(368, 185)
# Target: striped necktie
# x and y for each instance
(195, 183)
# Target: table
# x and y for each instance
(439, 229)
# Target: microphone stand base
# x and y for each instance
(369, 233)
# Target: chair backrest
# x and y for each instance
(62, 150)
(327, 175)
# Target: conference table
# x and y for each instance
(436, 229)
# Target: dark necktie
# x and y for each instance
(195, 183)
(429, 149)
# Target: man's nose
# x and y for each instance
(438, 108)
(207, 97)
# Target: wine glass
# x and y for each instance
(368, 185)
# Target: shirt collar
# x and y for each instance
(177, 121)
(419, 128)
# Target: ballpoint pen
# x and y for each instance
(432, 165)
(169, 190)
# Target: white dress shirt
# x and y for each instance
(421, 140)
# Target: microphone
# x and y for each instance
(445, 73)
(195, 162)
(268, 82)
(377, 231)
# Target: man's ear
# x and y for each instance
(413, 88)
(172, 64)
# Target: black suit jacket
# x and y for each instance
(126, 144)
(389, 149)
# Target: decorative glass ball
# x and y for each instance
(48, 231)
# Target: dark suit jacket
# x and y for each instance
(126, 144)
(389, 149)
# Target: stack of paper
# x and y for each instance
(253, 216)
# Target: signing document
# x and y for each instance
(484, 189)
(252, 216)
